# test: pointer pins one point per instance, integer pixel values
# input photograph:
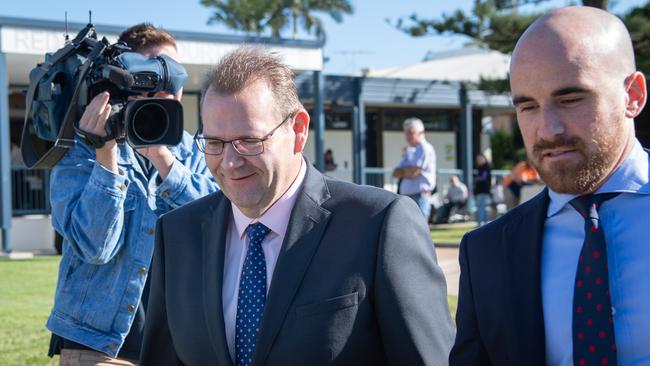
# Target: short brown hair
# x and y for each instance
(144, 36)
(246, 65)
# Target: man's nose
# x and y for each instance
(230, 157)
(551, 123)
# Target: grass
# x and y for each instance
(26, 294)
(27, 290)
(453, 304)
(450, 234)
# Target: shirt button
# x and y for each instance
(122, 186)
(165, 194)
(613, 311)
(130, 308)
(142, 270)
(150, 231)
(111, 345)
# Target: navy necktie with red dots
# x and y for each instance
(593, 324)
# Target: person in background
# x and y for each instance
(105, 203)
(521, 174)
(482, 188)
(417, 169)
(330, 165)
(455, 198)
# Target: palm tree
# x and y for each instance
(275, 15)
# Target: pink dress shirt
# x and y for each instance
(275, 218)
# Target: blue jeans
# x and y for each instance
(481, 208)
(424, 203)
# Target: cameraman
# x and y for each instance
(105, 203)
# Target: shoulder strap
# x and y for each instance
(32, 157)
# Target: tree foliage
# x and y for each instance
(495, 24)
(638, 23)
(486, 26)
(259, 16)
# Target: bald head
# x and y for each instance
(584, 35)
(576, 92)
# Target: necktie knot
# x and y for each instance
(590, 202)
(257, 232)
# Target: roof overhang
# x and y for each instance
(25, 42)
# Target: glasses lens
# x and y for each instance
(249, 146)
(210, 146)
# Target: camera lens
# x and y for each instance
(150, 122)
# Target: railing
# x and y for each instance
(31, 187)
(30, 191)
(383, 177)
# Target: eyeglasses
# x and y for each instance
(247, 146)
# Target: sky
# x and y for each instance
(362, 40)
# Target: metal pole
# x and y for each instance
(466, 152)
(359, 135)
(319, 119)
(5, 156)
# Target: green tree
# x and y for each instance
(638, 23)
(495, 24)
(258, 16)
(503, 149)
(487, 25)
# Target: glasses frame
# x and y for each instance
(198, 136)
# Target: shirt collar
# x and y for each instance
(277, 216)
(630, 177)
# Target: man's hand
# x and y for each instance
(161, 158)
(408, 172)
(93, 121)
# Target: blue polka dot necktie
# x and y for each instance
(252, 295)
(593, 325)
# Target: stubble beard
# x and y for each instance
(581, 175)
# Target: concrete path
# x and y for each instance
(448, 261)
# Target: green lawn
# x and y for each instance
(26, 290)
(450, 234)
(26, 293)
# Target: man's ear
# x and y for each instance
(636, 94)
(301, 130)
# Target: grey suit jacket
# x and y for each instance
(356, 283)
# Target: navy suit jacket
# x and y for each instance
(356, 283)
(499, 317)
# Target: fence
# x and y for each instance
(31, 187)
(30, 191)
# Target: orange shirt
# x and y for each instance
(521, 173)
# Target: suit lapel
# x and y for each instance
(214, 229)
(522, 244)
(306, 227)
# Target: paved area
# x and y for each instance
(448, 261)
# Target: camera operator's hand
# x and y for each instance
(93, 121)
(161, 158)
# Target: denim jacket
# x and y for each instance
(107, 221)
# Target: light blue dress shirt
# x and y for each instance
(423, 155)
(626, 222)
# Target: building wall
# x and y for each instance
(190, 112)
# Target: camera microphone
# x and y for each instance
(118, 76)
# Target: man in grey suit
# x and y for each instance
(286, 266)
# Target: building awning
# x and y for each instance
(25, 41)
